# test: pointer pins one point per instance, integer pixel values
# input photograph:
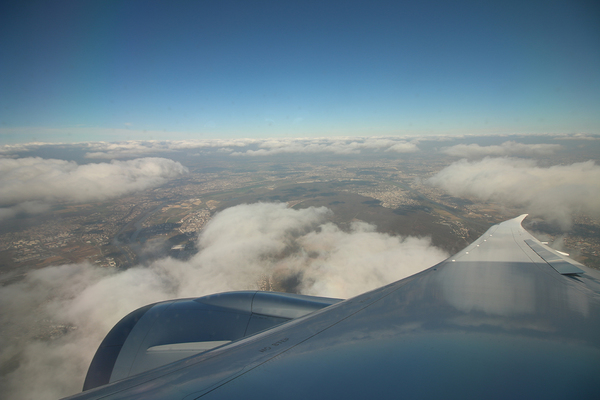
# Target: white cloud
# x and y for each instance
(404, 147)
(345, 264)
(272, 146)
(239, 247)
(29, 183)
(555, 193)
(509, 148)
(577, 136)
(254, 147)
(136, 148)
(8, 149)
(340, 145)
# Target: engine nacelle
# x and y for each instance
(161, 333)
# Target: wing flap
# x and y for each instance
(561, 265)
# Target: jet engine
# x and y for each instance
(164, 332)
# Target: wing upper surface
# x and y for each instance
(496, 320)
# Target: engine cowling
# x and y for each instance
(168, 331)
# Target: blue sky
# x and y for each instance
(113, 70)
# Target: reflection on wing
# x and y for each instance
(504, 318)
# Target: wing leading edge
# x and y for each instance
(497, 320)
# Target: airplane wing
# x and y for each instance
(507, 317)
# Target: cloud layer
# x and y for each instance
(53, 320)
(328, 145)
(509, 148)
(307, 145)
(234, 147)
(555, 193)
(137, 148)
(30, 184)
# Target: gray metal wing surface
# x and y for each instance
(507, 317)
